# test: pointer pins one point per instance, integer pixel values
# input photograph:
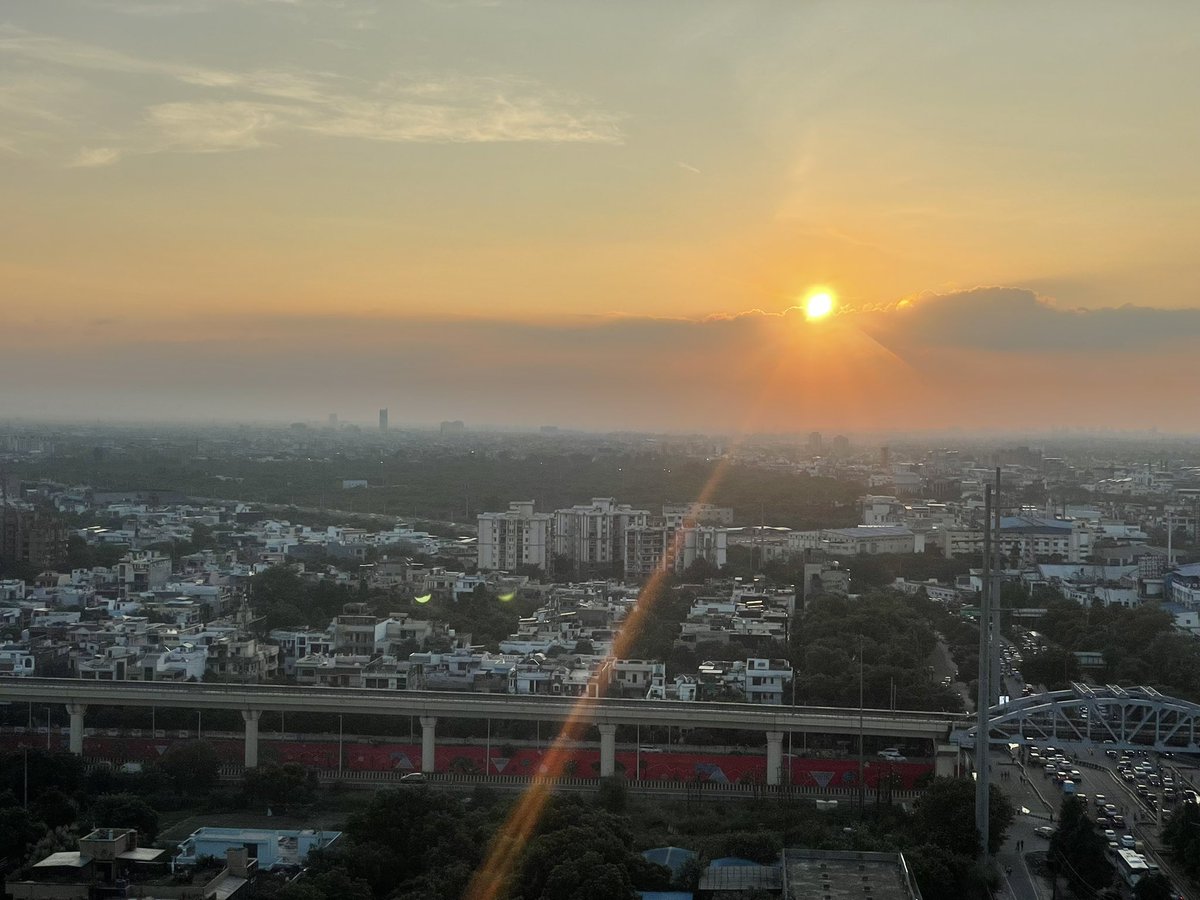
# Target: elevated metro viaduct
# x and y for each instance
(606, 714)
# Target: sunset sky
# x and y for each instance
(600, 214)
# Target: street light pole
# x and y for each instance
(339, 746)
(197, 724)
(862, 788)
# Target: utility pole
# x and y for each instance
(982, 755)
(997, 580)
(862, 788)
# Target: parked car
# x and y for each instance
(414, 778)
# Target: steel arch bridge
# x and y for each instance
(1130, 718)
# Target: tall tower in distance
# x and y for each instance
(383, 419)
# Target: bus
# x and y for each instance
(1132, 866)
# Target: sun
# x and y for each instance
(818, 305)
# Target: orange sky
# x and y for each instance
(311, 177)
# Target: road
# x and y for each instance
(1034, 809)
(1099, 777)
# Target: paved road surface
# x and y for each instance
(1032, 812)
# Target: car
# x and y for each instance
(413, 778)
(1045, 831)
(1109, 834)
(1101, 800)
(1110, 809)
(1128, 842)
(1075, 775)
(1102, 822)
(1111, 754)
(1118, 821)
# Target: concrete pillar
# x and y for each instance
(251, 717)
(428, 744)
(76, 710)
(608, 750)
(774, 757)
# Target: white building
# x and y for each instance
(861, 539)
(1030, 539)
(653, 548)
(518, 537)
(764, 680)
(142, 570)
(592, 536)
(677, 514)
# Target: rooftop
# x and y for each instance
(841, 875)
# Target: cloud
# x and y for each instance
(241, 108)
(1011, 319)
(93, 157)
(212, 127)
(969, 359)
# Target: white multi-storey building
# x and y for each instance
(592, 535)
(651, 548)
(518, 537)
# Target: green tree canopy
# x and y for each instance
(124, 811)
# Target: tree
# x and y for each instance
(124, 811)
(945, 816)
(18, 831)
(289, 783)
(613, 795)
(1182, 834)
(1153, 887)
(1077, 850)
(54, 808)
(192, 766)
(943, 874)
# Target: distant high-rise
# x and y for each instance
(841, 445)
(814, 442)
(333, 420)
(383, 420)
(885, 457)
(455, 427)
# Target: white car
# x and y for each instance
(1109, 834)
(1128, 842)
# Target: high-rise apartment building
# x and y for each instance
(518, 537)
(32, 535)
(383, 419)
(592, 535)
(651, 548)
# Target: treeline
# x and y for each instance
(416, 843)
(883, 639)
(1138, 646)
(457, 485)
(48, 800)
